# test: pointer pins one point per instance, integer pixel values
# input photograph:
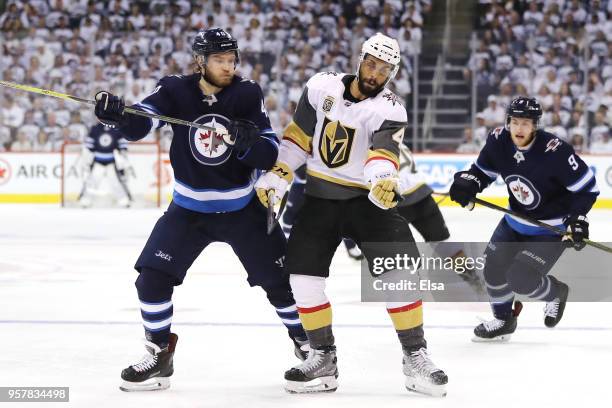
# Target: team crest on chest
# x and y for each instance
(105, 140)
(523, 190)
(208, 147)
(335, 143)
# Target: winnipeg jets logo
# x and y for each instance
(523, 191)
(208, 146)
(519, 157)
(105, 140)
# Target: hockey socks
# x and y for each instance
(281, 298)
(155, 294)
(408, 322)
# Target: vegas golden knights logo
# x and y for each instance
(335, 143)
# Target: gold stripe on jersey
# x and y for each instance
(334, 179)
(384, 154)
(296, 135)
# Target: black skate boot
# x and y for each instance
(302, 347)
(553, 311)
(422, 375)
(153, 371)
(498, 330)
(317, 374)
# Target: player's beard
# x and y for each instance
(368, 88)
(215, 81)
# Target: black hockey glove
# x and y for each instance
(244, 133)
(109, 109)
(577, 231)
(464, 189)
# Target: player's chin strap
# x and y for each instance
(523, 217)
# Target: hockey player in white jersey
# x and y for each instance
(347, 129)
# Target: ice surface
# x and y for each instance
(69, 317)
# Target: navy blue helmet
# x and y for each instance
(524, 107)
(214, 40)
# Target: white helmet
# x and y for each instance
(384, 48)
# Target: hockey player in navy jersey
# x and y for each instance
(546, 181)
(105, 147)
(213, 199)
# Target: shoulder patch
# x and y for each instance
(552, 145)
(391, 97)
(496, 132)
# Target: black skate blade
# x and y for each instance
(504, 338)
(152, 384)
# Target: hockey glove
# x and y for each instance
(464, 189)
(577, 231)
(244, 134)
(277, 179)
(384, 190)
(109, 109)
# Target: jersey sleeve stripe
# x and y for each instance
(582, 182)
(383, 154)
(296, 135)
(491, 174)
(155, 123)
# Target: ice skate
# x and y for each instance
(318, 373)
(553, 311)
(422, 375)
(153, 371)
(498, 330)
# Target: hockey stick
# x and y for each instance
(272, 219)
(551, 228)
(129, 110)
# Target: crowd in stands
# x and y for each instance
(82, 46)
(559, 51)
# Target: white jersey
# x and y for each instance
(338, 136)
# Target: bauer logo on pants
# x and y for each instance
(335, 143)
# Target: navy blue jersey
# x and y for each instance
(547, 181)
(210, 176)
(103, 141)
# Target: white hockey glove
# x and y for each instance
(384, 190)
(277, 179)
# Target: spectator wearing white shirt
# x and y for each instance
(481, 132)
(600, 127)
(13, 113)
(22, 144)
(494, 114)
(29, 127)
(77, 131)
(41, 143)
(468, 145)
